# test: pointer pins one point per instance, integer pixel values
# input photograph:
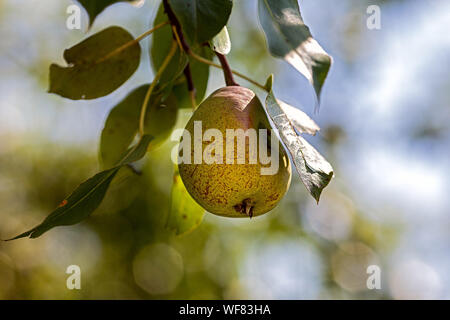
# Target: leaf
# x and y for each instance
(200, 77)
(95, 7)
(137, 152)
(96, 66)
(201, 20)
(314, 170)
(269, 83)
(300, 120)
(122, 123)
(289, 38)
(221, 43)
(159, 49)
(87, 197)
(185, 214)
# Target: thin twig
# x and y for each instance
(166, 61)
(177, 38)
(240, 75)
(132, 42)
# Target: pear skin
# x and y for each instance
(233, 190)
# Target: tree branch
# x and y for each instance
(174, 22)
(190, 85)
(188, 75)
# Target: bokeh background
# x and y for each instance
(385, 128)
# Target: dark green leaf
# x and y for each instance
(78, 206)
(96, 66)
(159, 49)
(289, 38)
(185, 214)
(201, 20)
(88, 196)
(122, 123)
(313, 169)
(95, 7)
(221, 43)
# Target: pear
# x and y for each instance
(232, 189)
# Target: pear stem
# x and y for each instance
(228, 74)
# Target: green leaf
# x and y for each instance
(122, 123)
(96, 66)
(88, 196)
(78, 206)
(299, 120)
(269, 83)
(185, 214)
(137, 152)
(159, 49)
(200, 77)
(95, 7)
(315, 172)
(289, 38)
(221, 43)
(201, 20)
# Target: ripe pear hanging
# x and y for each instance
(236, 184)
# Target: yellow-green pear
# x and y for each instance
(217, 161)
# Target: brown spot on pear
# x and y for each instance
(233, 190)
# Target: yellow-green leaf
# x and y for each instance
(185, 214)
(221, 43)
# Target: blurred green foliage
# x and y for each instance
(124, 250)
